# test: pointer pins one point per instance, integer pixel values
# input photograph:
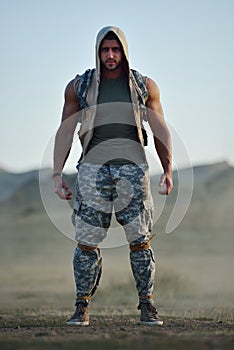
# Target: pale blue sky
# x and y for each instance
(186, 46)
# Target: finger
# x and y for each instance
(168, 189)
(68, 197)
(68, 194)
(165, 192)
(60, 194)
(162, 180)
(161, 183)
(66, 187)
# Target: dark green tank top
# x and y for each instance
(115, 138)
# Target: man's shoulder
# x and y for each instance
(138, 75)
(81, 84)
(151, 85)
(139, 81)
(147, 80)
(86, 72)
(83, 79)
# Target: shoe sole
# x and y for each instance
(77, 323)
(152, 323)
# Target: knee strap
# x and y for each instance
(146, 297)
(85, 298)
(139, 247)
(87, 248)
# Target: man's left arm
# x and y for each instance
(162, 137)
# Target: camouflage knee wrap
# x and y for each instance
(143, 269)
(87, 266)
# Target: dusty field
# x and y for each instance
(194, 292)
(41, 329)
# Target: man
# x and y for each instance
(112, 171)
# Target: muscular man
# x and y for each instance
(112, 171)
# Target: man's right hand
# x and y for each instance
(62, 189)
(166, 179)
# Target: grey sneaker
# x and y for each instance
(80, 316)
(149, 314)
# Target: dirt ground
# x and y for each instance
(47, 330)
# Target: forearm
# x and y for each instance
(163, 149)
(162, 140)
(62, 146)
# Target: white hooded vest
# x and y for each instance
(87, 116)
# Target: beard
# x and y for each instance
(111, 65)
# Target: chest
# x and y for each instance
(114, 90)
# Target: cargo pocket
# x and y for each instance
(148, 214)
(77, 201)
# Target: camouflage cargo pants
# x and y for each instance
(99, 190)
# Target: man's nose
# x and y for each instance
(110, 53)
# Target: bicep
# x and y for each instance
(155, 110)
(153, 101)
(71, 106)
(71, 109)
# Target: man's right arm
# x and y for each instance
(63, 140)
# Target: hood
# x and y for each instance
(100, 36)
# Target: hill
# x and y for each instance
(211, 186)
(195, 262)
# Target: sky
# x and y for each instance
(186, 46)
